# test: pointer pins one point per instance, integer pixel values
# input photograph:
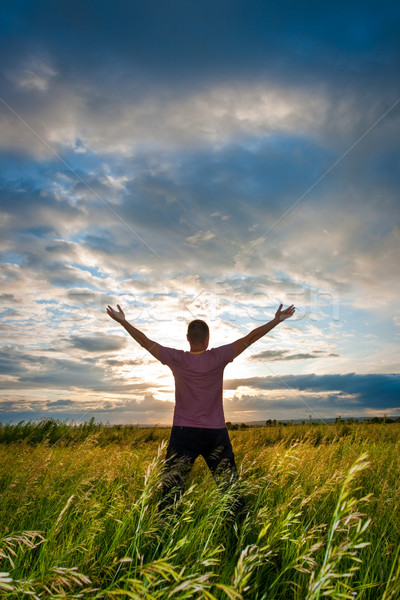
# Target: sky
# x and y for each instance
(203, 160)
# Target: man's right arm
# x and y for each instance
(137, 335)
(241, 344)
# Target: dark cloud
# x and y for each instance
(98, 343)
(81, 296)
(44, 371)
(45, 213)
(125, 75)
(61, 274)
(62, 404)
(258, 407)
(114, 362)
(14, 361)
(277, 355)
(8, 299)
(370, 391)
(186, 41)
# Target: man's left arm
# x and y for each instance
(240, 345)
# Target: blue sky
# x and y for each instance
(199, 160)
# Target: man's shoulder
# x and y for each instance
(166, 354)
(226, 351)
(222, 348)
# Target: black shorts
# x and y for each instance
(185, 445)
(213, 444)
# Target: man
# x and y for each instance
(199, 423)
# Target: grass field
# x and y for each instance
(79, 518)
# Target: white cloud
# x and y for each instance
(198, 238)
(35, 75)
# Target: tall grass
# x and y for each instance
(79, 516)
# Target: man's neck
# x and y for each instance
(198, 349)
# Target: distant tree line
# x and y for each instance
(382, 420)
(235, 426)
(338, 421)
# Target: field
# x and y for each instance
(79, 518)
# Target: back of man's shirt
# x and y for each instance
(198, 385)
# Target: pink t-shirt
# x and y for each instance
(198, 385)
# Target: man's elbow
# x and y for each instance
(153, 348)
(239, 347)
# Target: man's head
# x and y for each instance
(198, 334)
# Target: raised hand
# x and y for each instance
(118, 316)
(281, 315)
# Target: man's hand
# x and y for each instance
(137, 335)
(117, 316)
(281, 315)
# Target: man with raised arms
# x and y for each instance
(199, 425)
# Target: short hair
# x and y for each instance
(198, 331)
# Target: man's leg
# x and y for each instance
(220, 460)
(179, 460)
(219, 457)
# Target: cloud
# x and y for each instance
(370, 391)
(35, 75)
(161, 204)
(114, 362)
(46, 370)
(60, 404)
(260, 407)
(199, 238)
(98, 343)
(14, 361)
(148, 405)
(8, 298)
(175, 90)
(217, 116)
(277, 355)
(148, 410)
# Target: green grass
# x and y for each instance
(79, 518)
